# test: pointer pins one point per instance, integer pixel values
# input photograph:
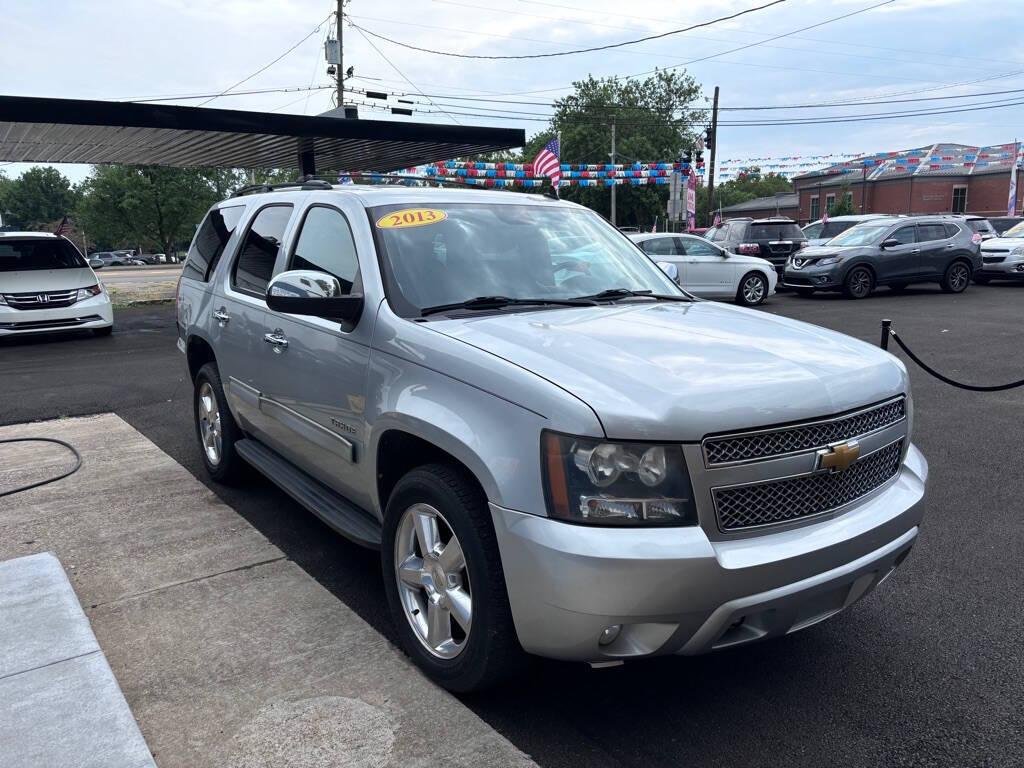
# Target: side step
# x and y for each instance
(339, 513)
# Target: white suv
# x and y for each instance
(46, 285)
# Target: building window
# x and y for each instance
(815, 208)
(849, 198)
(830, 200)
(959, 199)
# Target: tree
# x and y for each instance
(38, 197)
(150, 206)
(744, 187)
(653, 122)
(844, 205)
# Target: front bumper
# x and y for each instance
(823, 278)
(1010, 269)
(95, 312)
(675, 591)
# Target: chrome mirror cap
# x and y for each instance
(305, 284)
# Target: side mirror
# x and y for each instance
(306, 292)
(670, 269)
(890, 242)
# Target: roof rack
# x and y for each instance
(305, 182)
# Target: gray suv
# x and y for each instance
(889, 251)
(555, 449)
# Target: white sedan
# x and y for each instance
(704, 269)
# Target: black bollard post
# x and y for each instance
(886, 326)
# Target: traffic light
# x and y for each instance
(687, 157)
(700, 157)
(709, 138)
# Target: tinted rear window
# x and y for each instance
(980, 225)
(213, 236)
(28, 254)
(781, 231)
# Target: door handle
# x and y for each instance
(916, 250)
(950, 246)
(221, 315)
(278, 339)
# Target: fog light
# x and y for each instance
(608, 636)
(822, 279)
(1020, 267)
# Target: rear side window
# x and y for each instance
(213, 235)
(254, 264)
(952, 230)
(928, 232)
(38, 253)
(780, 231)
(325, 244)
(660, 246)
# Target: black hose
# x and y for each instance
(78, 462)
(946, 379)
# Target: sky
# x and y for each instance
(129, 49)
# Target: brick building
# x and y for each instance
(940, 178)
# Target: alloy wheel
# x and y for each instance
(433, 581)
(209, 423)
(753, 290)
(958, 277)
(860, 283)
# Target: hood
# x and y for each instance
(29, 280)
(671, 371)
(1002, 244)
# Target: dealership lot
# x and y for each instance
(925, 672)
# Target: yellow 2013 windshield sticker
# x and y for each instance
(411, 217)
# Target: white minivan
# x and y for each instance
(46, 285)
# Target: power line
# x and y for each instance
(402, 74)
(209, 96)
(268, 66)
(579, 50)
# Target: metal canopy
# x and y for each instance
(39, 130)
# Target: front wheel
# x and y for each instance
(753, 289)
(444, 580)
(858, 283)
(957, 277)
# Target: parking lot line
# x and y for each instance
(228, 653)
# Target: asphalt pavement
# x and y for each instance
(927, 671)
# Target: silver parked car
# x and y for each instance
(555, 450)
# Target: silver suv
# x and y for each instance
(555, 449)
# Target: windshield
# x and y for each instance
(1017, 230)
(38, 253)
(862, 234)
(453, 253)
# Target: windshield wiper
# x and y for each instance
(499, 302)
(613, 294)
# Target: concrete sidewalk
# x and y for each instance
(227, 652)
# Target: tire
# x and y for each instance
(103, 331)
(982, 280)
(957, 277)
(488, 650)
(804, 291)
(753, 290)
(210, 407)
(858, 283)
(898, 287)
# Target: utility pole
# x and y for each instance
(711, 168)
(341, 56)
(612, 155)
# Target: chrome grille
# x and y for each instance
(780, 501)
(41, 299)
(801, 437)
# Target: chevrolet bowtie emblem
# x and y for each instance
(838, 457)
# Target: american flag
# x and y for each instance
(63, 227)
(718, 219)
(824, 218)
(546, 162)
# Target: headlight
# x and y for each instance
(829, 260)
(88, 293)
(1019, 251)
(609, 483)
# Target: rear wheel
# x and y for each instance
(753, 289)
(957, 277)
(444, 580)
(858, 283)
(215, 426)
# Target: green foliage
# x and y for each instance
(37, 198)
(844, 205)
(155, 207)
(744, 187)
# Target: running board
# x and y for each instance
(339, 513)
